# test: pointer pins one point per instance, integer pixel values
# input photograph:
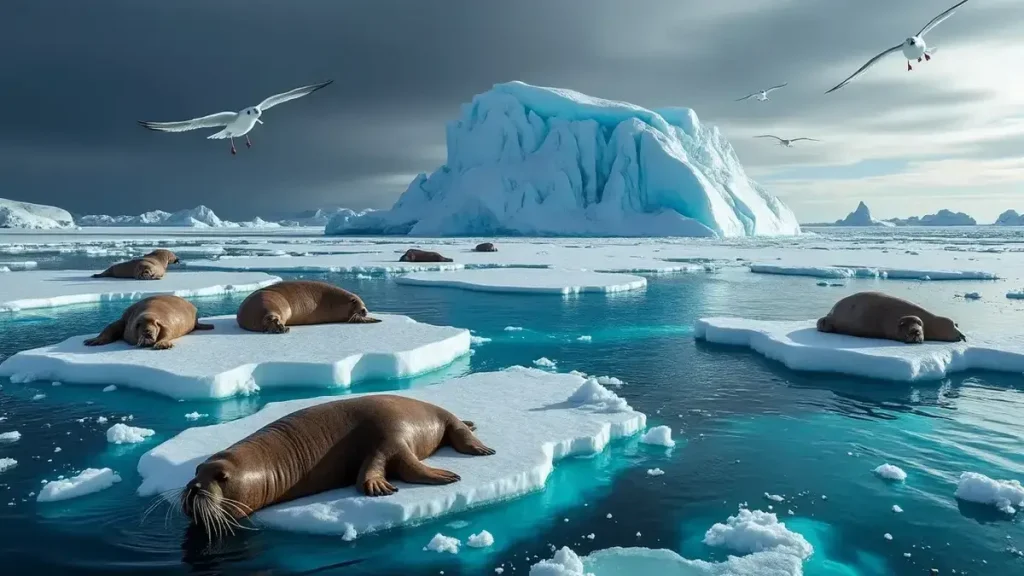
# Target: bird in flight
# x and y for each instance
(784, 142)
(762, 96)
(913, 47)
(236, 124)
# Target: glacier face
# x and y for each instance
(530, 160)
(33, 216)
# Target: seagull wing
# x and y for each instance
(865, 67)
(938, 19)
(291, 95)
(211, 121)
(783, 85)
(769, 136)
(811, 139)
(747, 97)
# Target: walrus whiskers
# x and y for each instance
(165, 497)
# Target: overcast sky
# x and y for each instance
(76, 76)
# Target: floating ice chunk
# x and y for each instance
(88, 481)
(799, 346)
(110, 388)
(565, 563)
(774, 497)
(890, 472)
(610, 381)
(441, 543)
(481, 540)
(227, 360)
(478, 340)
(753, 531)
(547, 428)
(513, 328)
(585, 338)
(592, 395)
(101, 419)
(124, 434)
(896, 509)
(655, 472)
(871, 272)
(887, 536)
(8, 437)
(523, 280)
(50, 288)
(7, 463)
(645, 561)
(195, 416)
(1003, 494)
(659, 436)
(544, 362)
(350, 533)
(39, 396)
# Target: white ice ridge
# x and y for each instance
(87, 482)
(34, 216)
(645, 561)
(531, 160)
(528, 416)
(1003, 494)
(50, 288)
(227, 360)
(872, 272)
(799, 346)
(527, 280)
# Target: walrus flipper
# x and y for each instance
(105, 274)
(410, 469)
(200, 326)
(371, 478)
(462, 439)
(363, 320)
(112, 333)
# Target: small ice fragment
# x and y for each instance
(513, 329)
(88, 481)
(590, 536)
(57, 449)
(441, 543)
(774, 497)
(8, 437)
(101, 419)
(659, 436)
(481, 540)
(887, 536)
(350, 533)
(609, 515)
(584, 338)
(195, 416)
(896, 508)
(110, 388)
(7, 463)
(478, 340)
(54, 384)
(890, 472)
(39, 396)
(543, 362)
(655, 472)
(123, 434)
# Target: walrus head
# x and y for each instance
(147, 331)
(166, 256)
(409, 256)
(910, 329)
(213, 499)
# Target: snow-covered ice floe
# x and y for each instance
(89, 481)
(50, 288)
(871, 272)
(529, 280)
(227, 360)
(375, 264)
(1003, 494)
(531, 418)
(799, 346)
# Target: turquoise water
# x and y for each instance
(746, 426)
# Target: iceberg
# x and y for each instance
(941, 218)
(321, 216)
(198, 217)
(862, 217)
(1009, 218)
(531, 160)
(33, 216)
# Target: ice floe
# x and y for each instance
(87, 482)
(659, 436)
(123, 434)
(526, 415)
(871, 272)
(755, 530)
(50, 288)
(527, 280)
(891, 472)
(7, 463)
(799, 346)
(227, 360)
(978, 488)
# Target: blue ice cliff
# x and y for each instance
(530, 160)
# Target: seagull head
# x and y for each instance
(912, 41)
(254, 112)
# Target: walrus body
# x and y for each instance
(415, 255)
(485, 247)
(152, 322)
(152, 266)
(363, 441)
(300, 302)
(878, 315)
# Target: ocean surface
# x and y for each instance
(745, 426)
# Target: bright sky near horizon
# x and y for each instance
(949, 134)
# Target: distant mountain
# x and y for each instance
(33, 216)
(320, 216)
(941, 218)
(198, 217)
(861, 216)
(1010, 218)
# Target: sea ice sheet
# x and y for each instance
(530, 417)
(799, 346)
(49, 288)
(529, 280)
(871, 272)
(227, 360)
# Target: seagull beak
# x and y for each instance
(260, 121)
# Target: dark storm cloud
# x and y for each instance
(77, 75)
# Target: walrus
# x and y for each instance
(415, 255)
(153, 322)
(878, 315)
(152, 266)
(298, 303)
(363, 441)
(485, 247)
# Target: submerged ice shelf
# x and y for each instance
(51, 288)
(227, 360)
(530, 417)
(799, 346)
(527, 281)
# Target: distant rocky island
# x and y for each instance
(861, 216)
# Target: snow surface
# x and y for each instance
(227, 360)
(533, 160)
(51, 288)
(890, 472)
(34, 216)
(1003, 494)
(799, 346)
(871, 272)
(861, 216)
(89, 481)
(527, 280)
(526, 415)
(941, 218)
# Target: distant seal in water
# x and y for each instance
(485, 247)
(361, 441)
(878, 315)
(415, 255)
(298, 303)
(152, 266)
(152, 322)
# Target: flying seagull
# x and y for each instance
(235, 123)
(784, 142)
(762, 96)
(913, 48)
